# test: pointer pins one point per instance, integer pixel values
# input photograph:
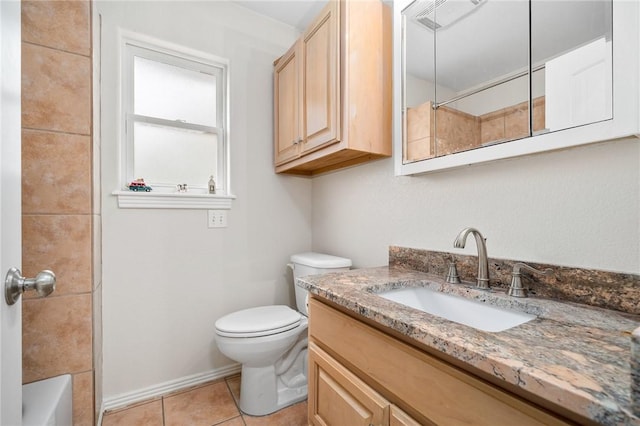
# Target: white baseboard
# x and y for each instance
(155, 391)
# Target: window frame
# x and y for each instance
(166, 196)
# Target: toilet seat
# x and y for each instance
(260, 321)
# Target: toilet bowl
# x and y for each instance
(271, 343)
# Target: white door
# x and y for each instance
(10, 206)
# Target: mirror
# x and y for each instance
(477, 73)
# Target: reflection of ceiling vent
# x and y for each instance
(440, 13)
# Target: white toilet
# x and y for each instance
(271, 343)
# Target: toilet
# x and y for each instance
(271, 342)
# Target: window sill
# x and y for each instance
(174, 200)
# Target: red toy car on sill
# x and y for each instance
(139, 185)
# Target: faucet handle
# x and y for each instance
(452, 275)
(516, 289)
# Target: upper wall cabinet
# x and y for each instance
(481, 80)
(332, 91)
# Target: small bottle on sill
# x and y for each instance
(212, 185)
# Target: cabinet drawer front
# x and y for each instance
(339, 397)
(417, 381)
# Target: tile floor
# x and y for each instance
(210, 404)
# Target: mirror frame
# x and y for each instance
(626, 102)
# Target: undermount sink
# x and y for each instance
(458, 309)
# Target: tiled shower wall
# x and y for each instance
(59, 215)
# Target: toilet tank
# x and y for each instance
(304, 264)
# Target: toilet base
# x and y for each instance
(262, 392)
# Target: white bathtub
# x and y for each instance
(48, 402)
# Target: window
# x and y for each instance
(174, 120)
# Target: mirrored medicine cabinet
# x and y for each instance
(481, 80)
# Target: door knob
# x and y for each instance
(15, 284)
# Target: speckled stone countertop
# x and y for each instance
(574, 356)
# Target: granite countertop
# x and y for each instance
(575, 356)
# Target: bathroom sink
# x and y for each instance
(469, 312)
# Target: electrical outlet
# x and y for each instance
(217, 218)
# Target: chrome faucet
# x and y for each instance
(483, 261)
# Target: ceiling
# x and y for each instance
(297, 13)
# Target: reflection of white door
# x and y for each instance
(578, 86)
(10, 206)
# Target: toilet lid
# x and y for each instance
(260, 321)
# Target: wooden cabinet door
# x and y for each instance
(400, 418)
(286, 97)
(321, 76)
(337, 397)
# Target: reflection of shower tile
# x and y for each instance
(539, 117)
(516, 121)
(492, 127)
(456, 131)
(419, 149)
(60, 24)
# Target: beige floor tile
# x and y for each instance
(234, 386)
(203, 406)
(295, 415)
(236, 421)
(149, 414)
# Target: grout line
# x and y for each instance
(164, 421)
(58, 132)
(33, 43)
(235, 401)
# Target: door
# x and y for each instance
(286, 83)
(321, 79)
(10, 211)
(338, 397)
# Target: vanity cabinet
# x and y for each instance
(340, 397)
(332, 91)
(354, 366)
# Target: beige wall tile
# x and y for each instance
(56, 173)
(149, 414)
(202, 406)
(61, 243)
(56, 90)
(56, 336)
(59, 24)
(83, 399)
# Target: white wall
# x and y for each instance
(579, 207)
(166, 276)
